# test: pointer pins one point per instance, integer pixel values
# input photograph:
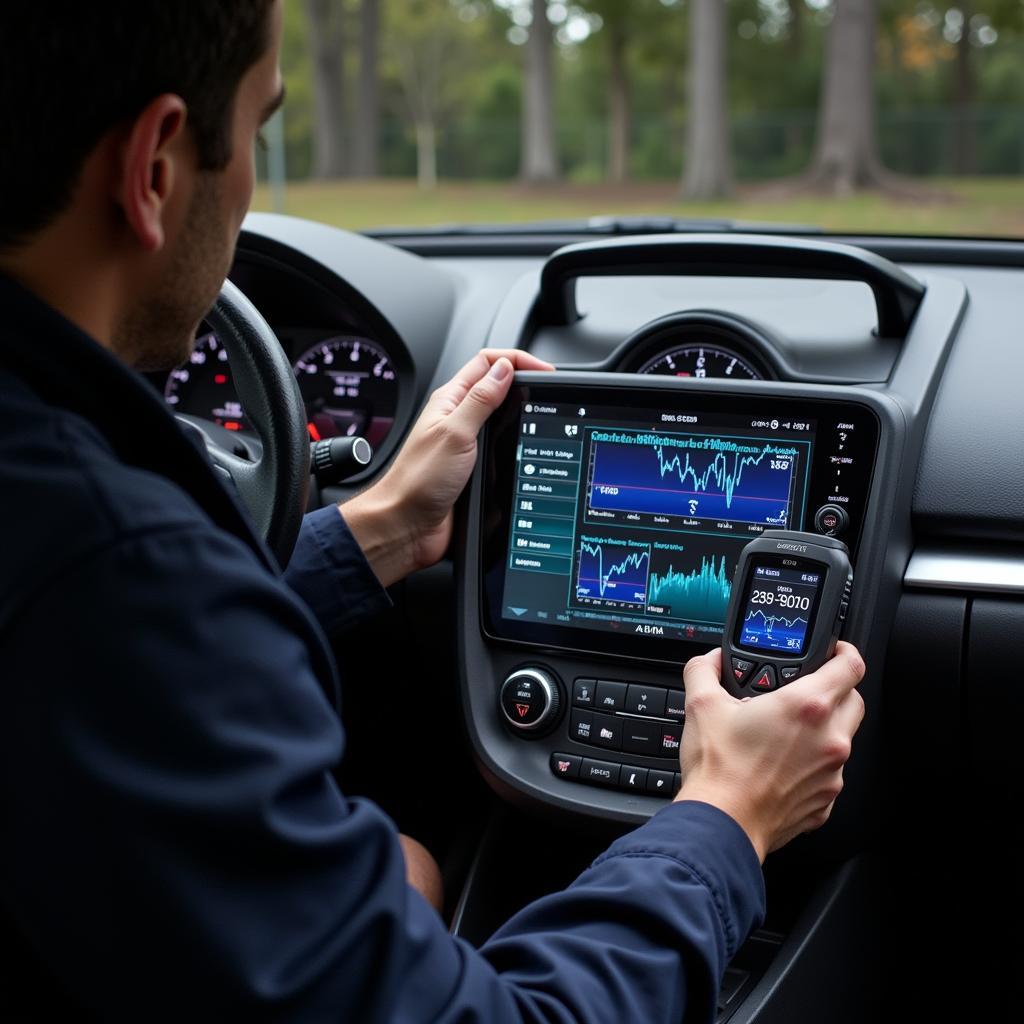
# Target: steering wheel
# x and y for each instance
(274, 484)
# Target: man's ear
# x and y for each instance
(150, 168)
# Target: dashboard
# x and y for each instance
(709, 388)
(778, 381)
(350, 382)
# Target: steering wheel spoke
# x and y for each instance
(273, 481)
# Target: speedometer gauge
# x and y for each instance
(350, 387)
(203, 386)
(700, 361)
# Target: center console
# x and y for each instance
(604, 525)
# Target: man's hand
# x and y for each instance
(422, 872)
(404, 522)
(774, 762)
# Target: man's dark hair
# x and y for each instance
(70, 70)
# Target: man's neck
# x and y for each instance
(71, 277)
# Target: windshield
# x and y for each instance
(881, 116)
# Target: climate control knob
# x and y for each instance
(530, 700)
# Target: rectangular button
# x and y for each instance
(583, 693)
(600, 773)
(659, 783)
(581, 726)
(633, 778)
(566, 765)
(645, 700)
(607, 732)
(675, 704)
(669, 737)
(641, 737)
(611, 696)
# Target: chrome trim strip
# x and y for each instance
(946, 570)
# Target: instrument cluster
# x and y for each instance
(348, 382)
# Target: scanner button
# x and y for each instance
(741, 668)
(764, 680)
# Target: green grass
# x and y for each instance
(982, 207)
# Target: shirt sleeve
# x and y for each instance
(329, 571)
(176, 846)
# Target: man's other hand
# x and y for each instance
(422, 872)
(404, 522)
(773, 762)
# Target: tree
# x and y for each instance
(620, 20)
(327, 42)
(965, 146)
(539, 159)
(432, 52)
(846, 155)
(366, 149)
(708, 173)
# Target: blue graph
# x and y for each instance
(701, 595)
(773, 632)
(745, 481)
(615, 572)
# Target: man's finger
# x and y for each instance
(850, 712)
(482, 399)
(836, 677)
(517, 357)
(450, 396)
(702, 676)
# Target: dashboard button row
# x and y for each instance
(615, 776)
(632, 698)
(621, 732)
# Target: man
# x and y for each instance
(175, 846)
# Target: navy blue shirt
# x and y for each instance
(175, 845)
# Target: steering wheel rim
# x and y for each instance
(274, 487)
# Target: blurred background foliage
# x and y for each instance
(440, 90)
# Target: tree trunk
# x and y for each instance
(619, 115)
(539, 161)
(708, 163)
(797, 10)
(965, 141)
(847, 157)
(426, 155)
(365, 162)
(794, 131)
(326, 31)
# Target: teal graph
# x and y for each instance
(702, 594)
(612, 571)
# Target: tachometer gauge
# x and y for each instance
(700, 361)
(203, 386)
(350, 387)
